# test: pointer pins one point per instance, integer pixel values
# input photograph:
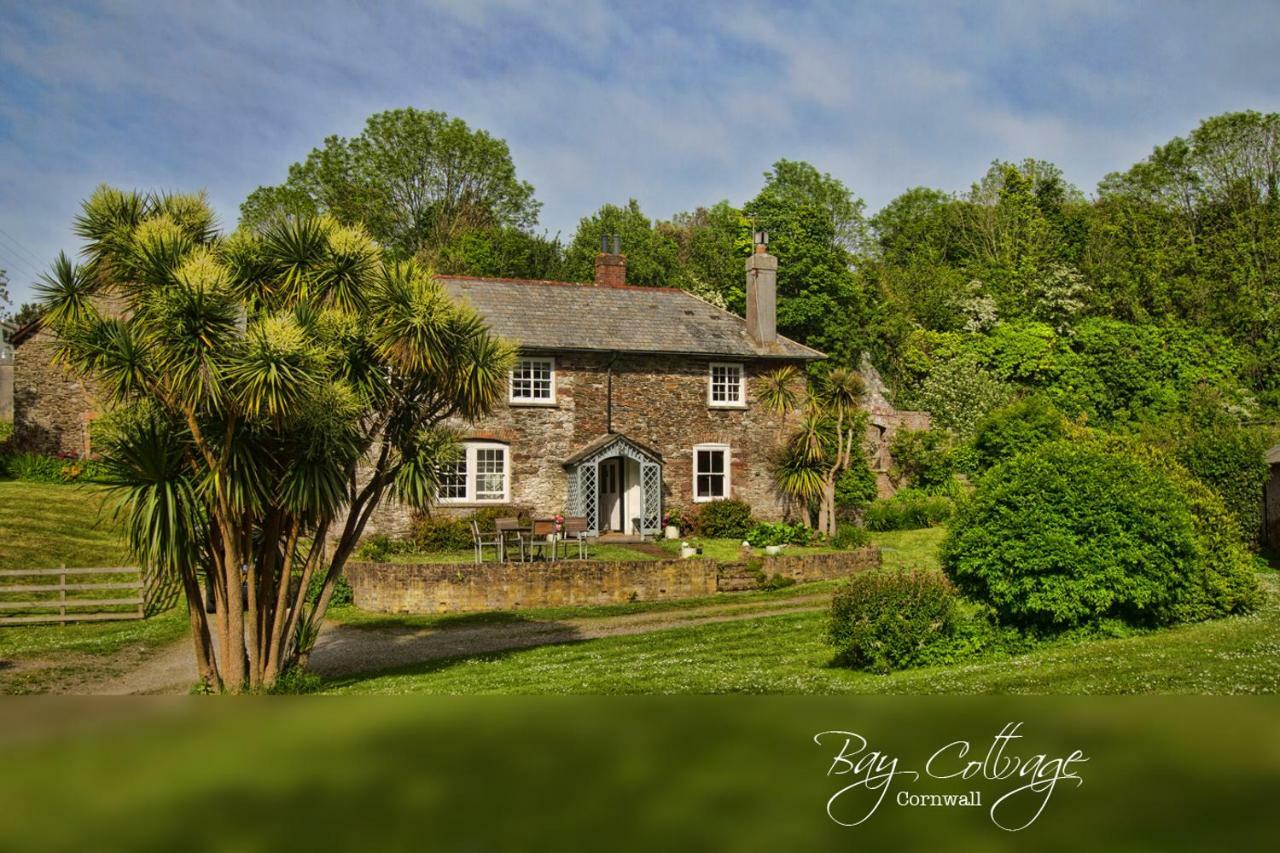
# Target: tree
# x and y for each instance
(814, 224)
(652, 256)
(712, 244)
(502, 251)
(26, 313)
(823, 446)
(4, 287)
(269, 390)
(417, 180)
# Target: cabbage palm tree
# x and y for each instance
(268, 390)
(823, 444)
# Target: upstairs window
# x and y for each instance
(710, 472)
(480, 475)
(725, 389)
(533, 382)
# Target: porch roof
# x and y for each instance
(1273, 455)
(605, 441)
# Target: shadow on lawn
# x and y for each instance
(346, 655)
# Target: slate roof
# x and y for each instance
(554, 315)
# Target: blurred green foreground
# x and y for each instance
(637, 773)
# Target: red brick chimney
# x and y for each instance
(611, 267)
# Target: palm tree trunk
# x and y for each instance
(206, 664)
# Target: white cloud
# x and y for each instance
(674, 103)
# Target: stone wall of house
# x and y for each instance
(659, 401)
(51, 407)
(6, 385)
(462, 588)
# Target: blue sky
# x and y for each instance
(675, 104)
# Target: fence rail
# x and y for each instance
(67, 608)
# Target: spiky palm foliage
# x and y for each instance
(270, 390)
(823, 444)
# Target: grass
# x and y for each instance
(47, 526)
(52, 525)
(786, 654)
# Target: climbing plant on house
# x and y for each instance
(270, 389)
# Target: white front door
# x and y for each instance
(611, 495)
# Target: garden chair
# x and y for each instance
(575, 530)
(542, 537)
(481, 540)
(509, 533)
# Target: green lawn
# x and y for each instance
(48, 526)
(786, 654)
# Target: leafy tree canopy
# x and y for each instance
(417, 180)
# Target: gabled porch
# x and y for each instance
(616, 484)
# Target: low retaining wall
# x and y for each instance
(802, 569)
(462, 588)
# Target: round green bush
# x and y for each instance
(886, 620)
(726, 519)
(1015, 429)
(1073, 533)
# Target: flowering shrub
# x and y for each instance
(886, 620)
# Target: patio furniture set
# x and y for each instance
(541, 538)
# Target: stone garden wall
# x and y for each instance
(463, 587)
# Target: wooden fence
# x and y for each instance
(50, 608)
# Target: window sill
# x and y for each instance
(730, 406)
(699, 500)
(533, 404)
(468, 504)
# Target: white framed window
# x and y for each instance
(481, 475)
(533, 382)
(711, 463)
(725, 388)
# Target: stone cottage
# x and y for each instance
(624, 400)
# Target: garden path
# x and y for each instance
(348, 650)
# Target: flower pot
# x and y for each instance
(686, 552)
(773, 550)
(672, 532)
